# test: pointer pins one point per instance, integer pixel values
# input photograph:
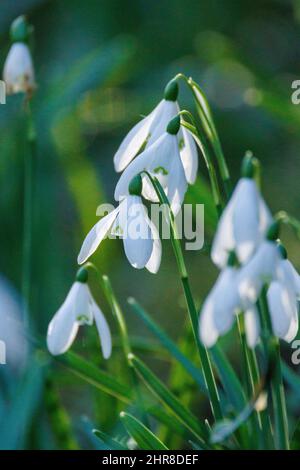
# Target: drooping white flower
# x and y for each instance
(221, 307)
(18, 72)
(242, 225)
(78, 309)
(130, 222)
(162, 160)
(151, 128)
(283, 295)
(260, 270)
(218, 310)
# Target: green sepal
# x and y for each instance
(174, 125)
(19, 30)
(171, 91)
(82, 275)
(136, 186)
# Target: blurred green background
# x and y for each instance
(100, 65)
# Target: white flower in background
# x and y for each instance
(283, 295)
(260, 270)
(130, 222)
(78, 309)
(243, 223)
(12, 330)
(151, 128)
(221, 307)
(18, 72)
(162, 160)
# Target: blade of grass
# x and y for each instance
(144, 438)
(169, 400)
(95, 376)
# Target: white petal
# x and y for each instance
(132, 143)
(82, 307)
(281, 308)
(162, 159)
(63, 327)
(252, 326)
(293, 328)
(225, 299)
(223, 241)
(260, 270)
(137, 240)
(289, 276)
(167, 111)
(207, 331)
(189, 156)
(103, 330)
(96, 235)
(246, 219)
(155, 258)
(265, 217)
(18, 72)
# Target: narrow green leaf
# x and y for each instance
(95, 376)
(144, 438)
(292, 379)
(110, 442)
(168, 344)
(229, 379)
(169, 400)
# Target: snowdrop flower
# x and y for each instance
(162, 160)
(130, 222)
(283, 295)
(262, 267)
(222, 305)
(18, 72)
(78, 309)
(151, 128)
(244, 221)
(12, 331)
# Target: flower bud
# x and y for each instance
(82, 275)
(171, 91)
(174, 125)
(248, 166)
(19, 30)
(136, 186)
(18, 72)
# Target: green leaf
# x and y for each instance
(291, 378)
(169, 400)
(229, 379)
(95, 376)
(168, 344)
(108, 441)
(144, 438)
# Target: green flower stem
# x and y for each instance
(216, 192)
(203, 354)
(29, 162)
(119, 317)
(251, 379)
(272, 349)
(210, 130)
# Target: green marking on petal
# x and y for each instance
(181, 144)
(160, 169)
(82, 318)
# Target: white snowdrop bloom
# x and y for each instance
(242, 225)
(79, 308)
(219, 309)
(162, 160)
(260, 270)
(130, 222)
(283, 295)
(151, 128)
(18, 72)
(14, 346)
